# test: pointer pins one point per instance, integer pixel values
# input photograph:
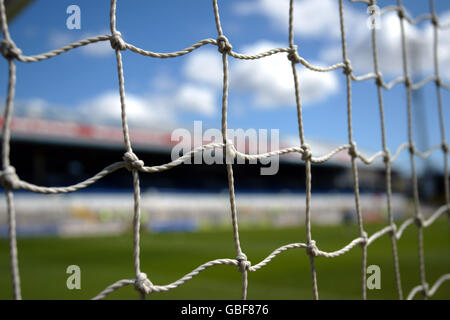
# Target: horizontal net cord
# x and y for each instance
(388, 86)
(317, 252)
(429, 292)
(368, 76)
(110, 289)
(299, 59)
(398, 232)
(56, 52)
(412, 21)
(161, 55)
(11, 178)
(422, 154)
(362, 1)
(20, 184)
(416, 20)
(427, 153)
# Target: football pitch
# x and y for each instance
(168, 256)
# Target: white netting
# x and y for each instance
(143, 285)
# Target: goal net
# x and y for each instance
(11, 180)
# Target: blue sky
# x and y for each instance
(172, 93)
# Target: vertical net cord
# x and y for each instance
(241, 257)
(387, 161)
(6, 132)
(352, 150)
(307, 160)
(435, 22)
(418, 215)
(126, 136)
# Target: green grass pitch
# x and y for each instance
(167, 257)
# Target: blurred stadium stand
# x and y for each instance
(57, 153)
(185, 198)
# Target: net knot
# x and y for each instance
(230, 151)
(223, 45)
(9, 178)
(132, 161)
(143, 284)
(311, 249)
(401, 12)
(347, 67)
(307, 154)
(393, 229)
(434, 20)
(408, 82)
(293, 54)
(387, 156)
(117, 42)
(424, 289)
(438, 82)
(379, 79)
(412, 149)
(9, 49)
(444, 147)
(419, 221)
(243, 263)
(352, 151)
(365, 239)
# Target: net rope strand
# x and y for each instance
(438, 83)
(387, 161)
(11, 181)
(417, 210)
(353, 151)
(311, 248)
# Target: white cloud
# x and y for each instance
(59, 39)
(105, 108)
(41, 108)
(311, 17)
(269, 81)
(195, 98)
(98, 49)
(419, 42)
(204, 66)
(157, 110)
(35, 108)
(162, 82)
(320, 20)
